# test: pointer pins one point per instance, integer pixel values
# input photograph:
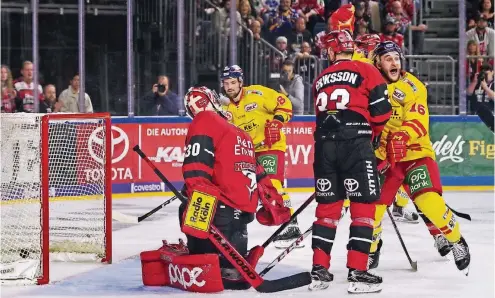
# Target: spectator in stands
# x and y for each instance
(299, 35)
(486, 10)
(319, 48)
(291, 85)
(281, 21)
(244, 9)
(361, 28)
(390, 32)
(8, 91)
(221, 20)
(163, 102)
(24, 88)
(362, 18)
(70, 98)
(50, 103)
(305, 64)
(313, 11)
(281, 45)
(256, 29)
(473, 64)
(404, 21)
(482, 91)
(483, 36)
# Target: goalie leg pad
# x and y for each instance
(192, 273)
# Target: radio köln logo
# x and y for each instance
(95, 144)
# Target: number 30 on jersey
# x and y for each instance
(337, 100)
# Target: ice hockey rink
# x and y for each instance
(436, 276)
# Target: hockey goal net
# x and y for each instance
(51, 208)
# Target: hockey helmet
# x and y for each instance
(232, 72)
(386, 47)
(340, 41)
(343, 18)
(367, 42)
(199, 99)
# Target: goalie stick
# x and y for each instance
(121, 217)
(414, 264)
(231, 254)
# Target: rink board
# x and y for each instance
(463, 145)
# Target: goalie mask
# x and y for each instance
(199, 99)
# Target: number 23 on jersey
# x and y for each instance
(338, 99)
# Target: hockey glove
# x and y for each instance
(272, 132)
(273, 212)
(396, 146)
(200, 211)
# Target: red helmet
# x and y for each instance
(198, 99)
(367, 42)
(339, 41)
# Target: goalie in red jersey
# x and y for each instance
(220, 162)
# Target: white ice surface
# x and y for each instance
(436, 276)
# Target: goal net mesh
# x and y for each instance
(75, 177)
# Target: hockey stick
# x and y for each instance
(231, 254)
(414, 264)
(460, 214)
(291, 247)
(121, 217)
(256, 252)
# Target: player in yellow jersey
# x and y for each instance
(406, 156)
(366, 44)
(262, 112)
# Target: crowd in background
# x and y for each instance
(293, 27)
(480, 49)
(18, 94)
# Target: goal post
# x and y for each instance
(50, 210)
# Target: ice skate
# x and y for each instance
(363, 282)
(374, 258)
(401, 214)
(289, 235)
(442, 245)
(320, 277)
(462, 257)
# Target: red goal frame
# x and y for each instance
(45, 215)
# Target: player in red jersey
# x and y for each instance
(220, 163)
(352, 106)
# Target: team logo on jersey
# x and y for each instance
(250, 107)
(253, 183)
(240, 166)
(228, 115)
(399, 95)
(269, 162)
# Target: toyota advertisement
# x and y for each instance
(162, 139)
